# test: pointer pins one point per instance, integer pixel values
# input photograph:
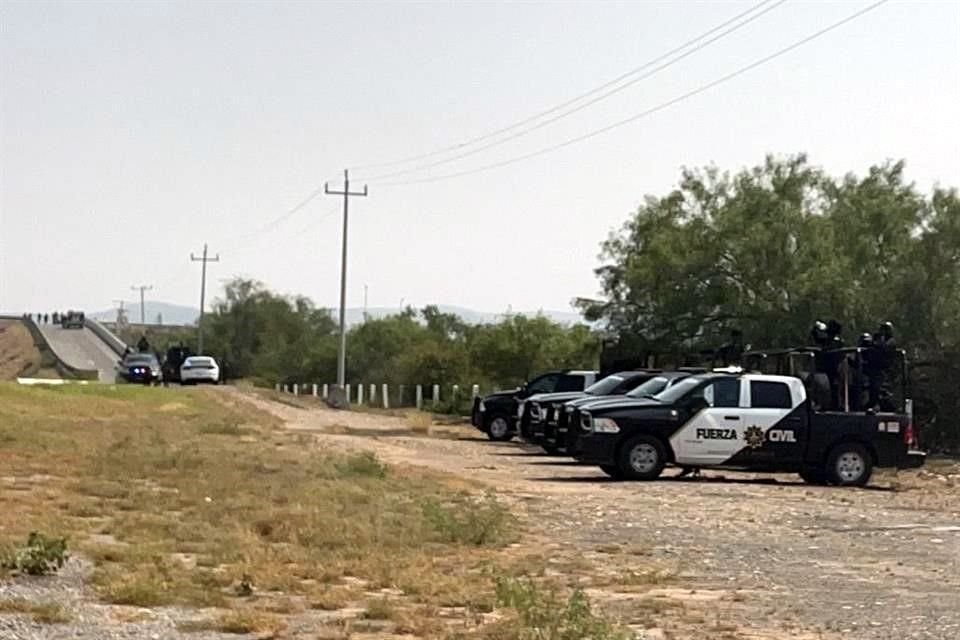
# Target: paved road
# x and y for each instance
(81, 348)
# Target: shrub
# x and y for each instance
(364, 464)
(479, 523)
(39, 556)
(540, 615)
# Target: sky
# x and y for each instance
(133, 133)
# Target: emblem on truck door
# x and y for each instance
(754, 437)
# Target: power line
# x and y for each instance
(279, 220)
(652, 110)
(567, 103)
(589, 103)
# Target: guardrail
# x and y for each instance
(116, 345)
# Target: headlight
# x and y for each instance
(605, 425)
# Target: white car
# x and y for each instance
(197, 369)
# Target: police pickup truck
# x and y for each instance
(747, 422)
(496, 413)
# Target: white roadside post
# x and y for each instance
(373, 394)
(436, 394)
(286, 389)
(276, 387)
(419, 396)
(360, 393)
(296, 389)
(456, 393)
(348, 393)
(385, 396)
(314, 390)
(324, 391)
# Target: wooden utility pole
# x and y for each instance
(342, 350)
(142, 288)
(203, 291)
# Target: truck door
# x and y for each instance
(714, 434)
(775, 433)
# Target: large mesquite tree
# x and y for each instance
(770, 249)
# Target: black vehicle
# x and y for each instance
(175, 358)
(141, 368)
(748, 422)
(496, 414)
(539, 414)
(566, 434)
(73, 320)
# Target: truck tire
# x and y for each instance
(849, 465)
(641, 458)
(498, 428)
(814, 476)
(612, 470)
(550, 448)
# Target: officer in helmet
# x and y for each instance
(833, 360)
(863, 373)
(885, 354)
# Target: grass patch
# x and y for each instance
(174, 509)
(535, 613)
(483, 522)
(39, 556)
(264, 625)
(380, 609)
(42, 612)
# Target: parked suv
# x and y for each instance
(496, 414)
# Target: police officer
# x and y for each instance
(832, 361)
(143, 345)
(885, 350)
(863, 373)
(730, 353)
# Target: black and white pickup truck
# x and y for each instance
(496, 414)
(746, 422)
(539, 414)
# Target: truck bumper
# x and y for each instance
(911, 460)
(597, 449)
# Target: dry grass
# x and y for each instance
(185, 497)
(263, 624)
(18, 355)
(42, 612)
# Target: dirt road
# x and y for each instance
(748, 556)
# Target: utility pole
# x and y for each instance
(342, 351)
(364, 302)
(203, 291)
(142, 288)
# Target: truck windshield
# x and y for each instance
(604, 387)
(650, 388)
(679, 390)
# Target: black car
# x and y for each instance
(566, 432)
(140, 368)
(496, 414)
(539, 414)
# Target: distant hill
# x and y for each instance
(174, 314)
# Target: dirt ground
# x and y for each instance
(17, 352)
(746, 556)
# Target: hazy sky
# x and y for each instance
(133, 132)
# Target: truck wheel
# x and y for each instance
(641, 458)
(814, 476)
(849, 465)
(498, 429)
(612, 470)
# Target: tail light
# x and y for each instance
(909, 436)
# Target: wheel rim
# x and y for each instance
(498, 427)
(644, 458)
(850, 466)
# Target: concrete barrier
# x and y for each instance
(117, 345)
